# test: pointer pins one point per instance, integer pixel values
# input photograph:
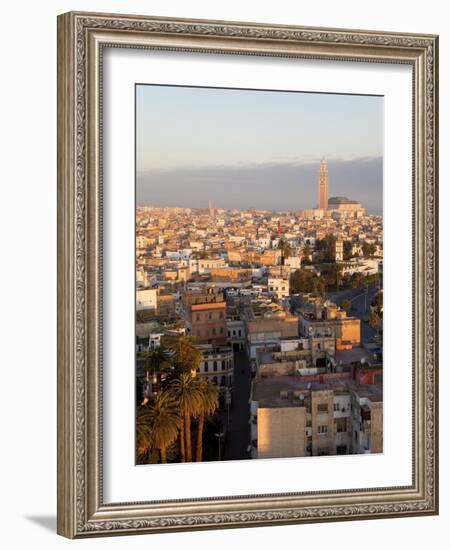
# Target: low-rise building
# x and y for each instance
(327, 319)
(333, 414)
(217, 366)
(236, 332)
(146, 298)
(268, 331)
(278, 286)
(207, 323)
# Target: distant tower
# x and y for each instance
(322, 186)
(211, 211)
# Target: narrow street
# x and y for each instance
(238, 437)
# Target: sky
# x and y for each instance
(253, 148)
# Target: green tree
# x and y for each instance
(144, 435)
(306, 254)
(331, 273)
(374, 320)
(156, 363)
(304, 281)
(162, 416)
(368, 249)
(378, 301)
(284, 246)
(346, 304)
(347, 250)
(185, 356)
(208, 405)
(327, 248)
(186, 391)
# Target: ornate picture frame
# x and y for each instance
(82, 38)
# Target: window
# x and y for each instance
(213, 331)
(215, 365)
(206, 366)
(221, 315)
(221, 330)
(223, 364)
(322, 451)
(223, 381)
(197, 317)
(341, 425)
(336, 406)
(308, 423)
(322, 407)
(323, 429)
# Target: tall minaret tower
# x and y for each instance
(322, 186)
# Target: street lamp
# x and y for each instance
(219, 439)
(228, 402)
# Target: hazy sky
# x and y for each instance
(244, 148)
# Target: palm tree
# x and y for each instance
(144, 435)
(185, 390)
(284, 246)
(163, 418)
(156, 362)
(209, 403)
(186, 357)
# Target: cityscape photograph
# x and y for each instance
(259, 274)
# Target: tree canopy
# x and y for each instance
(303, 280)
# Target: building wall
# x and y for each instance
(350, 330)
(166, 304)
(217, 366)
(322, 442)
(279, 287)
(281, 432)
(206, 265)
(233, 273)
(146, 298)
(376, 431)
(286, 326)
(209, 322)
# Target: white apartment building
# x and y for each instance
(217, 366)
(278, 286)
(206, 265)
(146, 298)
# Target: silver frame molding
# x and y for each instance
(81, 39)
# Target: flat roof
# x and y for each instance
(267, 390)
(211, 305)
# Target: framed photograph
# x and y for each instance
(247, 285)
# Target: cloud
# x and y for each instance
(273, 186)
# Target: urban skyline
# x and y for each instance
(262, 139)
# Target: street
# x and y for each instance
(238, 437)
